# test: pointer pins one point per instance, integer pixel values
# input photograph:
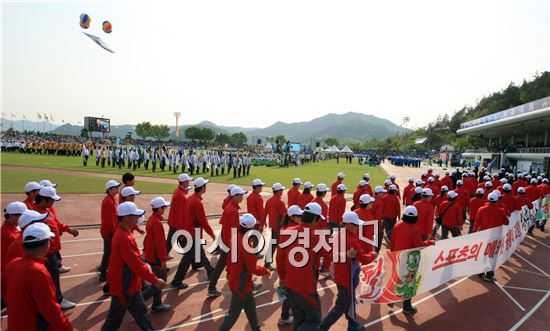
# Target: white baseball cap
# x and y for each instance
(507, 187)
(159, 202)
(129, 208)
(365, 198)
(31, 216)
(410, 211)
(393, 177)
(341, 187)
(480, 191)
(427, 192)
(128, 191)
(49, 192)
(111, 183)
(184, 178)
(31, 186)
(294, 210)
(237, 191)
(296, 181)
(444, 188)
(493, 196)
(257, 182)
(200, 182)
(521, 189)
(362, 182)
(504, 180)
(277, 187)
(419, 182)
(230, 187)
(341, 175)
(488, 184)
(322, 188)
(387, 182)
(367, 176)
(452, 194)
(411, 180)
(16, 207)
(379, 189)
(430, 169)
(431, 180)
(418, 190)
(393, 188)
(498, 193)
(247, 221)
(350, 217)
(314, 208)
(37, 232)
(534, 181)
(46, 182)
(308, 185)
(459, 182)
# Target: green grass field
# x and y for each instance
(13, 181)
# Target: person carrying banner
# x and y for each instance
(343, 272)
(406, 235)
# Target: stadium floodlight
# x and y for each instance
(177, 114)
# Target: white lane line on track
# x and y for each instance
(524, 288)
(534, 266)
(448, 287)
(541, 243)
(261, 293)
(510, 296)
(209, 313)
(530, 312)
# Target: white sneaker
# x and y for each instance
(282, 322)
(66, 304)
(64, 269)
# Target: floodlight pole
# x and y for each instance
(177, 115)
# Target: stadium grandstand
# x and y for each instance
(519, 137)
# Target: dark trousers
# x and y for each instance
(471, 229)
(285, 309)
(220, 267)
(407, 305)
(236, 306)
(135, 304)
(389, 223)
(188, 259)
(445, 232)
(306, 316)
(85, 161)
(52, 264)
(106, 255)
(146, 164)
(341, 307)
(157, 292)
(379, 242)
(274, 235)
(171, 232)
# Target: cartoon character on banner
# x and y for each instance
(408, 283)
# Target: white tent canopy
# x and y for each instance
(334, 149)
(268, 147)
(346, 150)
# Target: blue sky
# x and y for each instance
(252, 63)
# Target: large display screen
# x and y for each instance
(96, 124)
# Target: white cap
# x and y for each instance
(410, 211)
(308, 185)
(367, 176)
(37, 232)
(392, 177)
(379, 189)
(459, 182)
(237, 191)
(430, 169)
(387, 182)
(278, 187)
(488, 184)
(504, 180)
(294, 210)
(452, 194)
(464, 175)
(521, 189)
(247, 221)
(480, 191)
(419, 182)
(534, 181)
(341, 187)
(31, 186)
(297, 181)
(418, 189)
(200, 182)
(486, 178)
(507, 187)
(545, 180)
(437, 175)
(362, 182)
(129, 208)
(520, 175)
(31, 216)
(314, 208)
(498, 193)
(431, 180)
(159, 202)
(411, 180)
(257, 182)
(184, 178)
(341, 175)
(322, 188)
(128, 191)
(350, 217)
(427, 192)
(365, 198)
(393, 188)
(49, 192)
(46, 182)
(539, 178)
(111, 183)
(493, 196)
(444, 188)
(447, 172)
(230, 187)
(16, 207)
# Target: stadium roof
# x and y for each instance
(532, 118)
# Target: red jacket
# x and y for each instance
(490, 216)
(32, 296)
(532, 192)
(109, 219)
(15, 250)
(509, 202)
(293, 196)
(176, 215)
(463, 197)
(475, 204)
(523, 201)
(342, 270)
(425, 216)
(276, 210)
(126, 269)
(452, 217)
(230, 221)
(255, 206)
(195, 217)
(544, 190)
(406, 235)
(324, 210)
(9, 234)
(337, 208)
(29, 203)
(392, 207)
(305, 198)
(438, 201)
(55, 226)
(517, 184)
(334, 187)
(398, 193)
(365, 214)
(447, 181)
(377, 208)
(360, 191)
(154, 243)
(408, 192)
(239, 274)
